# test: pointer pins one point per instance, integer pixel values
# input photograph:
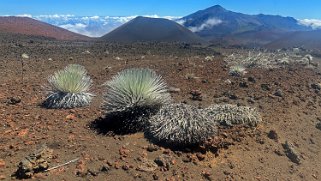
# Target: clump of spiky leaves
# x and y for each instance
(180, 125)
(135, 93)
(237, 70)
(69, 88)
(230, 115)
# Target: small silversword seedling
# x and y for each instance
(230, 115)
(69, 88)
(237, 70)
(180, 125)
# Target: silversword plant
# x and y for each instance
(135, 88)
(230, 115)
(180, 125)
(237, 70)
(69, 88)
(135, 93)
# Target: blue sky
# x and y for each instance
(297, 8)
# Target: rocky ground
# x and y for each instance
(285, 146)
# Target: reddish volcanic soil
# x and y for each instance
(241, 154)
(28, 26)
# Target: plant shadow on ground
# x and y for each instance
(126, 122)
(175, 147)
(213, 145)
(114, 125)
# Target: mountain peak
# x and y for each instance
(140, 17)
(217, 8)
(145, 29)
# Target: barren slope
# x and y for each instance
(28, 26)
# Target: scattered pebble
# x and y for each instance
(13, 100)
(273, 135)
(318, 126)
(81, 169)
(279, 93)
(207, 175)
(2, 163)
(124, 152)
(265, 87)
(316, 86)
(125, 167)
(105, 168)
(196, 95)
(226, 172)
(200, 156)
(291, 153)
(251, 79)
(174, 90)
(155, 176)
(71, 117)
(243, 84)
(152, 148)
(164, 161)
(230, 95)
(251, 100)
(93, 172)
(147, 165)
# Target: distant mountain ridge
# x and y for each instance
(234, 25)
(144, 29)
(29, 26)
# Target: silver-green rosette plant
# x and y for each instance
(133, 94)
(69, 88)
(180, 125)
(237, 70)
(231, 115)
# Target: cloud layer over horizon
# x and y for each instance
(97, 26)
(313, 23)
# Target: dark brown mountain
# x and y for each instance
(143, 29)
(29, 26)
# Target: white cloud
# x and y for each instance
(207, 24)
(76, 26)
(121, 19)
(95, 17)
(181, 21)
(165, 17)
(124, 19)
(24, 15)
(313, 23)
(54, 16)
(79, 28)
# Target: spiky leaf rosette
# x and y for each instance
(135, 93)
(135, 87)
(229, 115)
(237, 70)
(180, 125)
(69, 88)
